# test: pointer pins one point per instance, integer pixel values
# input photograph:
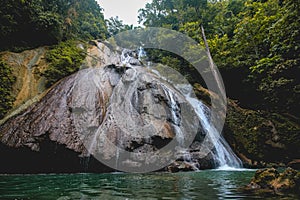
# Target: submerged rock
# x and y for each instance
(180, 166)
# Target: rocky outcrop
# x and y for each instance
(264, 138)
(270, 181)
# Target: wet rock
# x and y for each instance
(259, 138)
(27, 67)
(180, 166)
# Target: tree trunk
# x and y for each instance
(212, 66)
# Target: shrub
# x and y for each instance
(64, 59)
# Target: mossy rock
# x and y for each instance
(270, 181)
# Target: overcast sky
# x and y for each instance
(126, 10)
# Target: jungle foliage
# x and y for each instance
(64, 59)
(31, 23)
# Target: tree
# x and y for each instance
(115, 26)
(277, 73)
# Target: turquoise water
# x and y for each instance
(207, 184)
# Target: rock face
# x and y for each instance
(99, 111)
(270, 181)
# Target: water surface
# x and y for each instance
(207, 184)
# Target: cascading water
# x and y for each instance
(125, 57)
(222, 153)
(142, 56)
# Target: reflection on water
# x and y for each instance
(209, 184)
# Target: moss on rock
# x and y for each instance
(270, 181)
(262, 136)
(6, 82)
(64, 59)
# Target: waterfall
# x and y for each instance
(130, 58)
(222, 153)
(128, 106)
(214, 144)
(142, 56)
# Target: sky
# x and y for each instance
(126, 10)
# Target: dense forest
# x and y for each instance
(254, 43)
(32, 23)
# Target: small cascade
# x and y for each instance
(117, 157)
(222, 153)
(142, 56)
(125, 57)
(141, 53)
(129, 58)
(174, 116)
